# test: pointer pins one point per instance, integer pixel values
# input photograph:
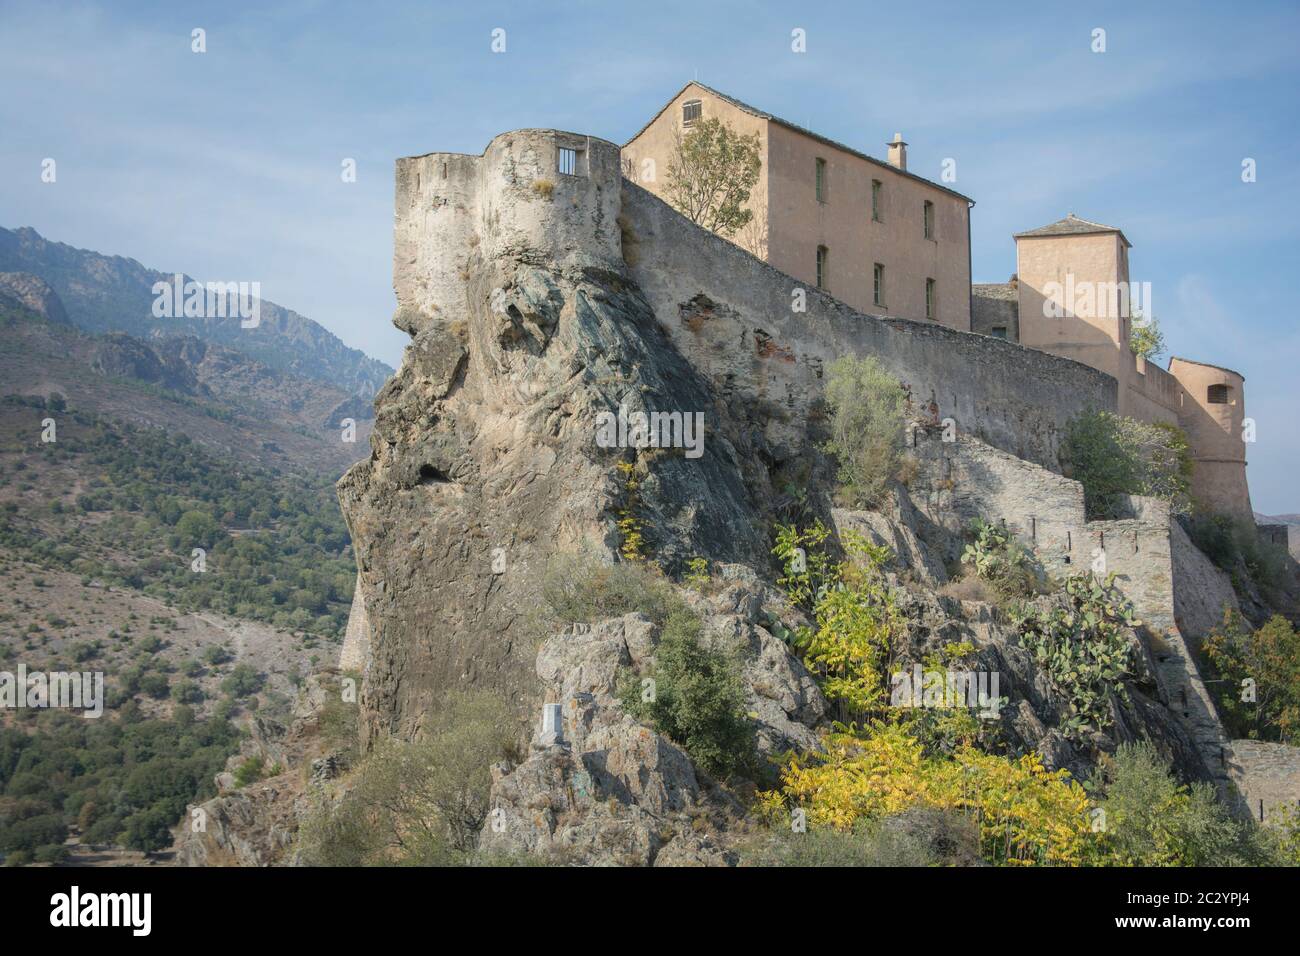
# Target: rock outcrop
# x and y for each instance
(607, 789)
(257, 824)
(33, 293)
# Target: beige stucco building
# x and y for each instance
(874, 235)
(885, 241)
(1073, 296)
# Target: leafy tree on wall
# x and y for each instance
(711, 174)
(1145, 337)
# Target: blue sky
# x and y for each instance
(226, 164)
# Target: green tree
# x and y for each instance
(197, 529)
(242, 681)
(421, 802)
(149, 830)
(699, 700)
(712, 171)
(1113, 456)
(1152, 820)
(867, 416)
(1269, 658)
(1145, 337)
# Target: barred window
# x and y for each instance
(1217, 395)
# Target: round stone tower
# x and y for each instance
(534, 194)
(1213, 416)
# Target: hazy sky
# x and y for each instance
(226, 164)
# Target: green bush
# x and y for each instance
(250, 771)
(1268, 656)
(418, 803)
(1152, 820)
(187, 692)
(921, 836)
(698, 700)
(1113, 456)
(215, 655)
(242, 681)
(866, 407)
(581, 589)
(1234, 545)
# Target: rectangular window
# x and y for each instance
(931, 299)
(998, 331)
(1217, 395)
(878, 293)
(821, 180)
(822, 253)
(690, 112)
(568, 161)
(875, 200)
(928, 214)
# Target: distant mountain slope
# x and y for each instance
(216, 396)
(113, 294)
(22, 290)
(1276, 519)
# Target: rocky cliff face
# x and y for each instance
(22, 289)
(484, 464)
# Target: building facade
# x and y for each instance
(1072, 295)
(867, 231)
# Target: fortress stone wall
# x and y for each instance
(1154, 563)
(735, 318)
(732, 315)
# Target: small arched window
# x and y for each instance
(1218, 395)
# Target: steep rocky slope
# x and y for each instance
(484, 448)
(218, 396)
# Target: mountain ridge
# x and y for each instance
(110, 293)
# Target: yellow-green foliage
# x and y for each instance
(697, 573)
(808, 571)
(1288, 828)
(632, 546)
(857, 623)
(856, 618)
(1026, 814)
(944, 730)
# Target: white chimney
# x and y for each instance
(898, 152)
